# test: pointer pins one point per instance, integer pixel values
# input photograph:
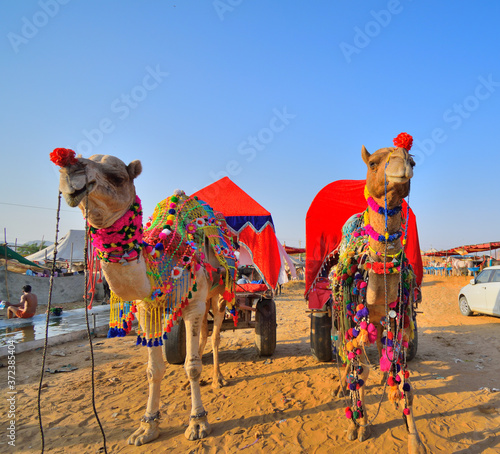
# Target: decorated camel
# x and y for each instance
(373, 286)
(180, 263)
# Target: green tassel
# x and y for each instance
(195, 287)
(190, 295)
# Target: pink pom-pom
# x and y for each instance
(385, 364)
(162, 236)
(348, 414)
(351, 355)
(363, 325)
(406, 411)
(363, 284)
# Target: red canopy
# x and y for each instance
(329, 211)
(464, 250)
(294, 250)
(251, 223)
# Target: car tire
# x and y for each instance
(464, 306)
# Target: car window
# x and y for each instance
(496, 276)
(484, 277)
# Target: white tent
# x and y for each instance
(70, 248)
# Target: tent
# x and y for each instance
(329, 211)
(464, 250)
(251, 224)
(70, 247)
(6, 251)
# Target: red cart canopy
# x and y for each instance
(250, 222)
(465, 250)
(329, 211)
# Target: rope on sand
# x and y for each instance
(47, 323)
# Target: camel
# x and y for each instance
(141, 274)
(372, 287)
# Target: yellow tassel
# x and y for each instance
(367, 193)
(394, 395)
(363, 336)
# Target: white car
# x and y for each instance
(482, 294)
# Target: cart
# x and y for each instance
(259, 260)
(327, 214)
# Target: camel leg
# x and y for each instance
(415, 445)
(340, 390)
(218, 379)
(193, 318)
(364, 428)
(149, 430)
(204, 329)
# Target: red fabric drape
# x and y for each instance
(329, 211)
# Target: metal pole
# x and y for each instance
(5, 250)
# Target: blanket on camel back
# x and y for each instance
(351, 313)
(173, 245)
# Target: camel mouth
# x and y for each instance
(399, 180)
(73, 199)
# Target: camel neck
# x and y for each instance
(385, 233)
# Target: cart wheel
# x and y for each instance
(265, 327)
(413, 344)
(174, 348)
(321, 331)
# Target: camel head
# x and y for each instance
(107, 180)
(394, 165)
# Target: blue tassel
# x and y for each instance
(165, 336)
(144, 342)
(150, 343)
(160, 341)
(110, 333)
(155, 343)
(139, 340)
(125, 325)
(406, 387)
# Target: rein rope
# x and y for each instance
(44, 356)
(85, 258)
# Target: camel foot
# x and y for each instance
(352, 431)
(198, 428)
(147, 431)
(415, 446)
(219, 382)
(364, 433)
(338, 391)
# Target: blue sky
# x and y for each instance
(278, 95)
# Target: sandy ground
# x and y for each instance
(278, 405)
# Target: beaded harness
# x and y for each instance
(350, 310)
(172, 244)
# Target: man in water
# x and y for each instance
(26, 308)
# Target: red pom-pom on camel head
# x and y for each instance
(63, 157)
(403, 140)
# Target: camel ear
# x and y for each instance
(134, 169)
(365, 154)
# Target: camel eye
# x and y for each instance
(373, 165)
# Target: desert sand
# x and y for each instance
(281, 404)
